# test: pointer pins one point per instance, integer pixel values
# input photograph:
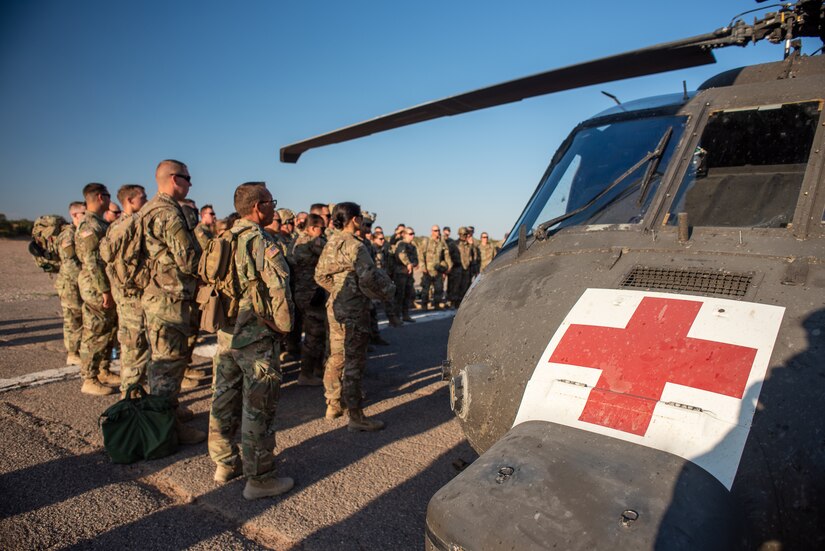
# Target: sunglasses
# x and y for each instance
(184, 176)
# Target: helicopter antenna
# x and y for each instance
(684, 90)
(611, 96)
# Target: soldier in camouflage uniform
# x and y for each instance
(475, 268)
(468, 259)
(247, 371)
(204, 231)
(348, 274)
(168, 300)
(309, 299)
(99, 321)
(457, 272)
(487, 251)
(437, 262)
(405, 259)
(292, 344)
(131, 330)
(66, 284)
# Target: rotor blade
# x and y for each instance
(657, 59)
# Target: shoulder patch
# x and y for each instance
(272, 251)
(86, 233)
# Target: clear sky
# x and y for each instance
(102, 91)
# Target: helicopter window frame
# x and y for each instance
(794, 215)
(680, 130)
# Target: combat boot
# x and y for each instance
(360, 422)
(191, 373)
(309, 380)
(256, 489)
(189, 435)
(94, 387)
(424, 307)
(407, 318)
(225, 473)
(184, 414)
(73, 359)
(108, 378)
(333, 412)
(395, 321)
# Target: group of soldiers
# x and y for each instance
(306, 283)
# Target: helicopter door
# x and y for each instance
(748, 167)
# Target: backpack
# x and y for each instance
(123, 256)
(220, 296)
(43, 246)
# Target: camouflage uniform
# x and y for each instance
(348, 273)
(437, 261)
(131, 329)
(456, 274)
(204, 235)
(168, 300)
(468, 257)
(404, 255)
(247, 370)
(309, 300)
(67, 290)
(486, 253)
(99, 324)
(383, 261)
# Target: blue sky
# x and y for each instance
(102, 90)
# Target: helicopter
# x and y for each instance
(643, 363)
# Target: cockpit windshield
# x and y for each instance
(603, 174)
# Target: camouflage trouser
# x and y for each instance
(347, 360)
(434, 281)
(131, 334)
(292, 342)
(374, 332)
(99, 327)
(401, 306)
(169, 328)
(411, 292)
(315, 337)
(464, 283)
(454, 283)
(245, 394)
(72, 306)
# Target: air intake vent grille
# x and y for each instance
(697, 281)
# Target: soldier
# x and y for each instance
(437, 262)
(487, 250)
(247, 372)
(457, 272)
(205, 230)
(309, 299)
(99, 322)
(131, 330)
(348, 274)
(66, 284)
(191, 376)
(476, 266)
(405, 261)
(468, 260)
(398, 234)
(112, 213)
(301, 222)
(168, 300)
(287, 226)
(323, 211)
(383, 261)
(285, 237)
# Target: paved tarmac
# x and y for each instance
(58, 488)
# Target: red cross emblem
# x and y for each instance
(651, 350)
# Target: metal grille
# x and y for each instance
(698, 281)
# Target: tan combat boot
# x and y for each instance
(183, 413)
(360, 422)
(187, 383)
(189, 435)
(333, 412)
(191, 373)
(256, 489)
(93, 386)
(73, 359)
(108, 378)
(225, 473)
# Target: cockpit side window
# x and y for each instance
(748, 167)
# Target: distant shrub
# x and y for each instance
(15, 228)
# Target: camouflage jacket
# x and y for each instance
(487, 252)
(114, 234)
(90, 231)
(263, 275)
(436, 256)
(203, 234)
(171, 249)
(467, 254)
(303, 259)
(69, 263)
(455, 255)
(348, 273)
(405, 254)
(381, 256)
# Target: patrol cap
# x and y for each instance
(286, 215)
(368, 217)
(463, 231)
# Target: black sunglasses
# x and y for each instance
(184, 176)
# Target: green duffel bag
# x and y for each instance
(140, 426)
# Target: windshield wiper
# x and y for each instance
(655, 155)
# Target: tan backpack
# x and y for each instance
(43, 246)
(220, 295)
(124, 257)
